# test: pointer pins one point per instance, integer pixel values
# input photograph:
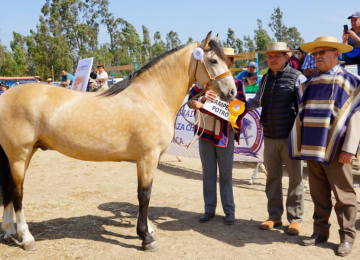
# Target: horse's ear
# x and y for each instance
(216, 37)
(204, 45)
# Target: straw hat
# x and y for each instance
(230, 52)
(102, 79)
(276, 47)
(326, 41)
(49, 79)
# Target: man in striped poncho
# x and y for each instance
(326, 134)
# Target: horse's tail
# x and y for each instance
(5, 176)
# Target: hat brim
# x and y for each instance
(310, 46)
(102, 79)
(353, 16)
(276, 51)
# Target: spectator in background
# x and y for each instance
(93, 74)
(37, 79)
(102, 74)
(309, 68)
(253, 86)
(3, 88)
(301, 56)
(49, 81)
(291, 59)
(352, 37)
(66, 78)
(102, 84)
(252, 67)
(92, 86)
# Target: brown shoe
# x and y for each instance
(294, 228)
(314, 240)
(344, 248)
(270, 223)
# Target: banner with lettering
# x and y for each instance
(250, 149)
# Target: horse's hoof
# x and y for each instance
(152, 247)
(30, 246)
(154, 236)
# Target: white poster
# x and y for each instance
(82, 74)
(218, 108)
(250, 149)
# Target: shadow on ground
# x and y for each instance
(123, 219)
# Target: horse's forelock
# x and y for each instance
(215, 47)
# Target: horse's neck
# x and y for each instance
(168, 80)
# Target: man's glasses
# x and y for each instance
(321, 53)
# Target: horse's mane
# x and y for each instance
(121, 85)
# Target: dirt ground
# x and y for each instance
(88, 210)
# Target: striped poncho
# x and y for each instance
(327, 102)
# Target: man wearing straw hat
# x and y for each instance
(277, 97)
(216, 148)
(326, 134)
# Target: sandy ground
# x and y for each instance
(88, 210)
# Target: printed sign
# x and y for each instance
(251, 146)
(82, 74)
(218, 107)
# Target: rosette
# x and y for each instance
(198, 53)
(236, 108)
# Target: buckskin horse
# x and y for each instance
(133, 120)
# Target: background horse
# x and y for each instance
(134, 120)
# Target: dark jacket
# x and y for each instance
(279, 102)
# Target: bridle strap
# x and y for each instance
(211, 80)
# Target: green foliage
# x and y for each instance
(172, 40)
(68, 30)
(261, 39)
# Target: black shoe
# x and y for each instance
(314, 240)
(229, 219)
(206, 217)
(344, 248)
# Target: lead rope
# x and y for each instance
(199, 117)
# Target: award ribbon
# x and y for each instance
(236, 108)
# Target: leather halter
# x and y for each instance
(211, 79)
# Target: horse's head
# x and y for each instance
(212, 69)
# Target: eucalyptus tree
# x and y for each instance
(261, 39)
(146, 45)
(159, 45)
(78, 20)
(276, 25)
(172, 40)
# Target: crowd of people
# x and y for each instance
(310, 111)
(96, 82)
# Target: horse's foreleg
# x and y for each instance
(16, 193)
(8, 223)
(146, 168)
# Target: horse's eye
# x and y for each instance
(213, 61)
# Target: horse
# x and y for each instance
(133, 120)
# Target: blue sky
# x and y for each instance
(195, 19)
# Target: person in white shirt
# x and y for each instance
(102, 74)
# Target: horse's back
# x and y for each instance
(83, 125)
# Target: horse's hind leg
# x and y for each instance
(145, 168)
(18, 168)
(8, 223)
